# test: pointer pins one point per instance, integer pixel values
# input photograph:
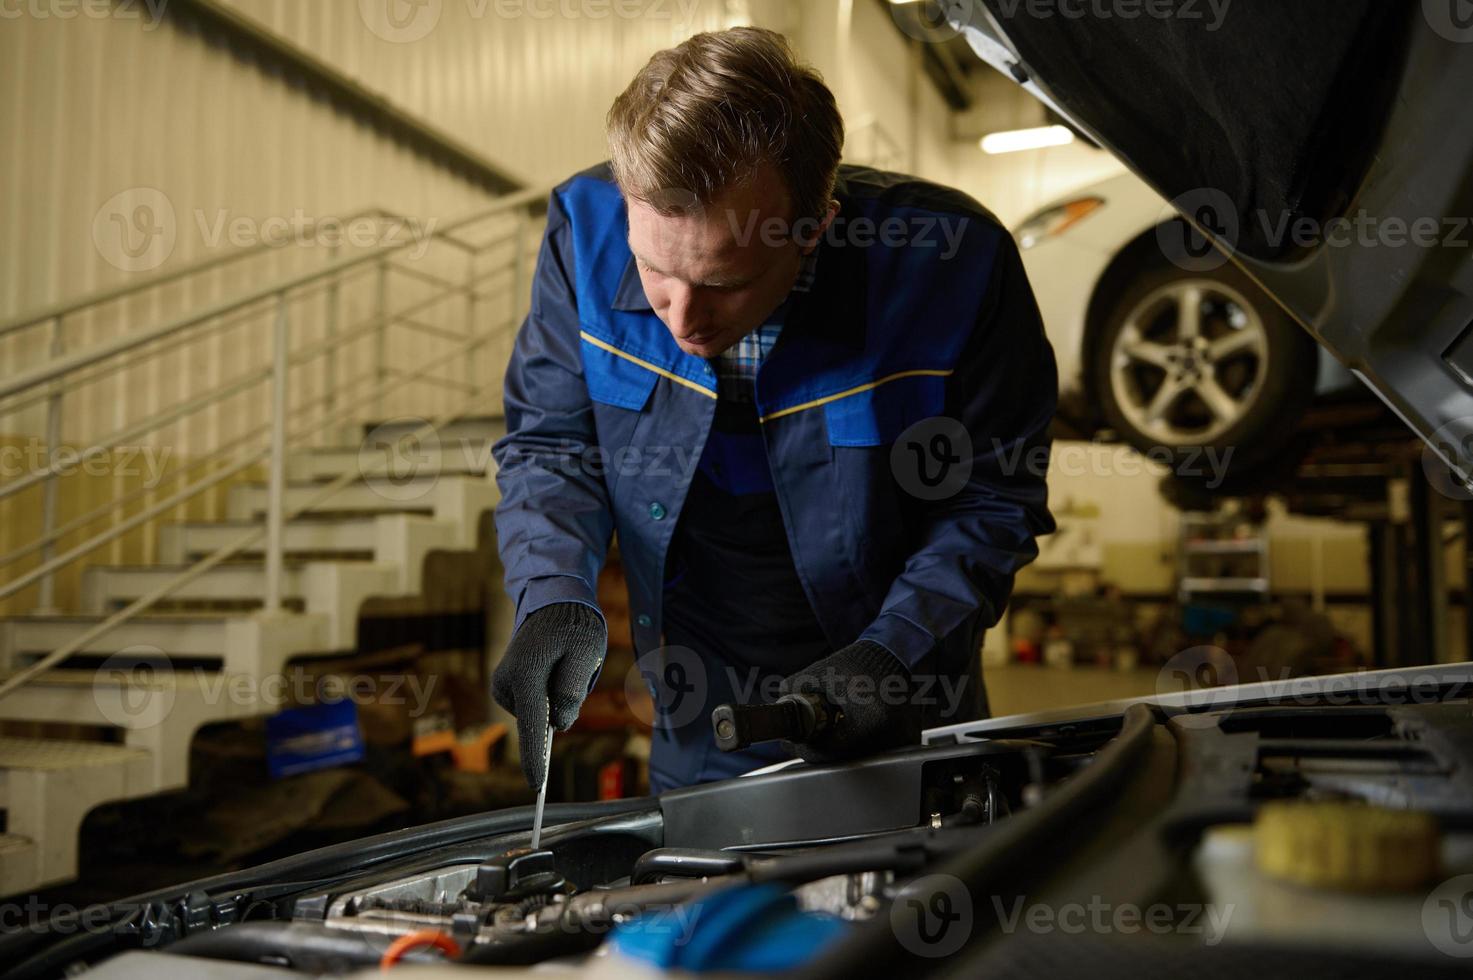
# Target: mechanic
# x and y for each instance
(811, 400)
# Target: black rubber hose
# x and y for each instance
(685, 862)
(304, 946)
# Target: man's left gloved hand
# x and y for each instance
(871, 691)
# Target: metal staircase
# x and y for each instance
(316, 506)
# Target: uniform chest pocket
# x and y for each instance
(615, 380)
(877, 415)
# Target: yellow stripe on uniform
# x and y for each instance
(645, 364)
(924, 373)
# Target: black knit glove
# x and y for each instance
(548, 668)
(871, 691)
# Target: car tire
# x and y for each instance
(1233, 378)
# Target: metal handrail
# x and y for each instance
(50, 381)
(128, 433)
(62, 366)
(65, 308)
(157, 350)
(233, 387)
(118, 503)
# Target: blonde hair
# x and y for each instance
(705, 114)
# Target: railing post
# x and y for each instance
(46, 592)
(276, 503)
(470, 317)
(381, 360)
(330, 359)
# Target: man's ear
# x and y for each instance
(823, 226)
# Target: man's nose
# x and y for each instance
(684, 314)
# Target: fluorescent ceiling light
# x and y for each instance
(1015, 140)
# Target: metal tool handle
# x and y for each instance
(794, 717)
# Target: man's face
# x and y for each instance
(712, 275)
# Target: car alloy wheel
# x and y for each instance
(1189, 362)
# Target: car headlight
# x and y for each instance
(1056, 220)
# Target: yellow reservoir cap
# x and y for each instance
(1350, 846)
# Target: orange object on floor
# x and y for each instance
(611, 780)
(474, 753)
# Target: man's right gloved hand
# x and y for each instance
(546, 672)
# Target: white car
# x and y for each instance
(1172, 359)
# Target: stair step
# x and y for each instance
(49, 786)
(480, 428)
(46, 753)
(253, 643)
(458, 499)
(24, 638)
(415, 495)
(19, 870)
(460, 456)
(105, 587)
(344, 538)
(157, 711)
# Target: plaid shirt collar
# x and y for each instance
(736, 368)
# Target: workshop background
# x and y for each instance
(233, 225)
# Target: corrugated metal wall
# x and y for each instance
(526, 82)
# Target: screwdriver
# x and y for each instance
(542, 793)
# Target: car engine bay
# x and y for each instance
(1134, 839)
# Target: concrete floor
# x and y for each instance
(1020, 688)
